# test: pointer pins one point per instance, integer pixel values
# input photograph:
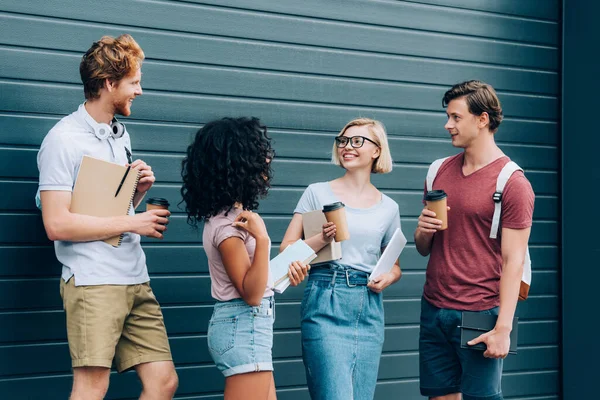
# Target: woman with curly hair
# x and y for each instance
(226, 170)
(341, 311)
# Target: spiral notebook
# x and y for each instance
(96, 187)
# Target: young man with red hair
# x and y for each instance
(111, 311)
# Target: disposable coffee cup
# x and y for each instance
(336, 213)
(157, 203)
(437, 202)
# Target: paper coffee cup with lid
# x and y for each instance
(437, 201)
(336, 213)
(157, 203)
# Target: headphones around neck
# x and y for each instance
(102, 131)
(115, 129)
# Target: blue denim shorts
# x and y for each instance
(445, 367)
(240, 337)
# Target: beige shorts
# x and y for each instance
(120, 322)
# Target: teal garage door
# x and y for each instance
(305, 68)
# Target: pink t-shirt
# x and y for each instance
(465, 264)
(216, 230)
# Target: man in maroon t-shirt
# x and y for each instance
(467, 270)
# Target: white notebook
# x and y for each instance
(298, 251)
(390, 255)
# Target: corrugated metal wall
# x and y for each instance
(305, 68)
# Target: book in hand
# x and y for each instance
(474, 324)
(390, 255)
(104, 189)
(298, 251)
(312, 224)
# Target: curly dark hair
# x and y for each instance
(226, 164)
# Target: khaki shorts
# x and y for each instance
(123, 322)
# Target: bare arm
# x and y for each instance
(249, 278)
(316, 242)
(514, 246)
(61, 224)
(423, 242)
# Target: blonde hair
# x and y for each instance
(383, 163)
(109, 58)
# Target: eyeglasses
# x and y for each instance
(355, 141)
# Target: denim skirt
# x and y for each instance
(240, 337)
(342, 333)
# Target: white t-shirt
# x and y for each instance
(371, 229)
(59, 158)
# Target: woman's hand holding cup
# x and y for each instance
(328, 232)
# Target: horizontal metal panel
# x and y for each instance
(35, 31)
(24, 229)
(273, 85)
(533, 383)
(16, 294)
(64, 99)
(205, 19)
(29, 261)
(28, 326)
(22, 195)
(336, 63)
(547, 9)
(513, 384)
(409, 15)
(539, 333)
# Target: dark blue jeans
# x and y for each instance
(445, 368)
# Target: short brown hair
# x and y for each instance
(109, 58)
(480, 98)
(382, 164)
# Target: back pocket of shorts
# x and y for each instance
(221, 335)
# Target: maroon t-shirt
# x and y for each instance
(464, 267)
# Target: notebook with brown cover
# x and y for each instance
(312, 223)
(95, 188)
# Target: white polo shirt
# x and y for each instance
(59, 158)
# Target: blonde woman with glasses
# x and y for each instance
(342, 313)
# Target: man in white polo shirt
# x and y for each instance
(110, 308)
